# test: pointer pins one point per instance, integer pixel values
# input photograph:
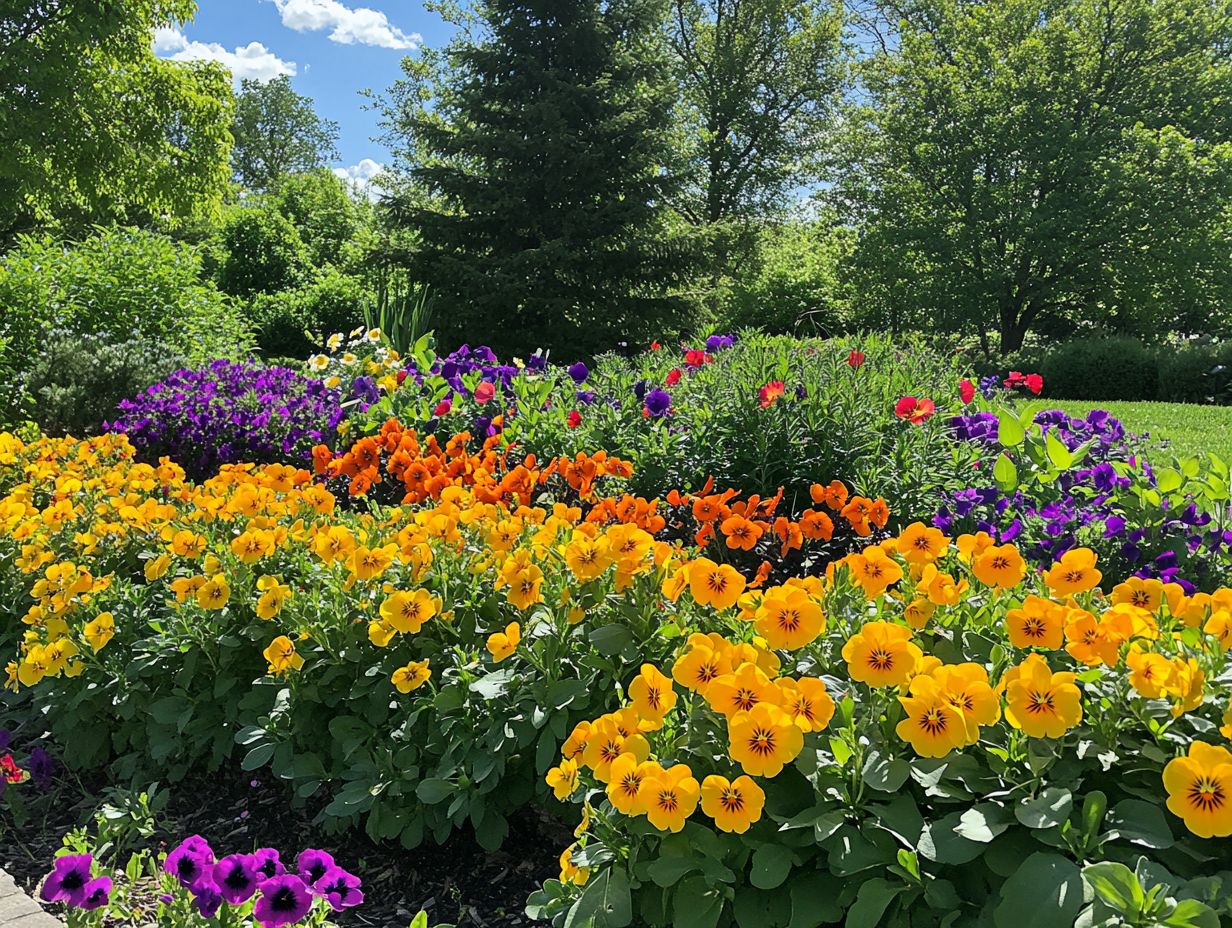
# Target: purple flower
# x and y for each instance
(312, 864)
(207, 899)
(284, 901)
(5, 739)
(717, 342)
(267, 862)
(579, 372)
(236, 877)
(191, 863)
(96, 894)
(340, 889)
(41, 767)
(658, 402)
(68, 879)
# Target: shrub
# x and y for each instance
(330, 302)
(935, 738)
(1114, 368)
(229, 412)
(115, 285)
(77, 381)
(264, 253)
(1185, 372)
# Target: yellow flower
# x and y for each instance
(882, 654)
(733, 804)
(741, 690)
(282, 657)
(333, 544)
(411, 677)
(1186, 686)
(503, 644)
(408, 611)
(972, 546)
(668, 798)
(627, 775)
(874, 570)
(788, 618)
(184, 587)
(274, 596)
(700, 666)
(100, 630)
(367, 563)
(569, 873)
(252, 545)
(1036, 625)
(606, 742)
(807, 702)
(1225, 727)
(918, 612)
(381, 633)
(1150, 673)
(1074, 573)
(651, 694)
(1039, 702)
(763, 739)
(933, 727)
(156, 567)
(525, 586)
(1145, 593)
(588, 557)
(1199, 789)
(967, 688)
(717, 585)
(563, 779)
(214, 593)
(34, 666)
(1087, 641)
(921, 544)
(1000, 566)
(576, 742)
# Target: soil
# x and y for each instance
(455, 883)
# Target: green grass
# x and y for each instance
(1182, 428)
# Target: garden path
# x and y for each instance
(17, 910)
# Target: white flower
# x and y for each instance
(318, 362)
(374, 335)
(334, 341)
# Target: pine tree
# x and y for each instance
(549, 156)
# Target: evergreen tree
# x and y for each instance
(545, 143)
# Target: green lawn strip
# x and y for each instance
(1184, 429)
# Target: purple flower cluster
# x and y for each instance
(282, 897)
(227, 413)
(72, 882)
(1084, 505)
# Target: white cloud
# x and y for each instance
(361, 26)
(253, 61)
(362, 177)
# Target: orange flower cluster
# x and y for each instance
(425, 468)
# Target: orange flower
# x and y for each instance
(914, 410)
(769, 393)
(741, 533)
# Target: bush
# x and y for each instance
(78, 381)
(229, 412)
(115, 285)
(1114, 368)
(1185, 373)
(331, 302)
(325, 215)
(264, 253)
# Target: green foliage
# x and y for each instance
(404, 316)
(291, 323)
(323, 212)
(277, 132)
(117, 284)
(264, 253)
(544, 144)
(96, 127)
(1114, 368)
(77, 380)
(1022, 161)
(792, 283)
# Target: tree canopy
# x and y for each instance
(277, 132)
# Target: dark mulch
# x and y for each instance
(457, 882)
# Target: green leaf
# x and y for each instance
(667, 871)
(1141, 822)
(258, 756)
(610, 640)
(695, 905)
(1167, 479)
(605, 903)
(982, 823)
(1005, 473)
(1117, 886)
(420, 920)
(1010, 431)
(1190, 913)
(1047, 810)
(757, 909)
(1045, 892)
(885, 773)
(771, 865)
(939, 842)
(1058, 454)
(814, 899)
(872, 899)
(433, 790)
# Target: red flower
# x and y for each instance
(574, 420)
(673, 377)
(966, 390)
(1035, 383)
(1015, 379)
(401, 377)
(11, 772)
(914, 410)
(655, 346)
(442, 408)
(769, 393)
(855, 359)
(484, 392)
(696, 358)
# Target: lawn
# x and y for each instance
(1184, 428)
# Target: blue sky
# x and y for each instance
(332, 49)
